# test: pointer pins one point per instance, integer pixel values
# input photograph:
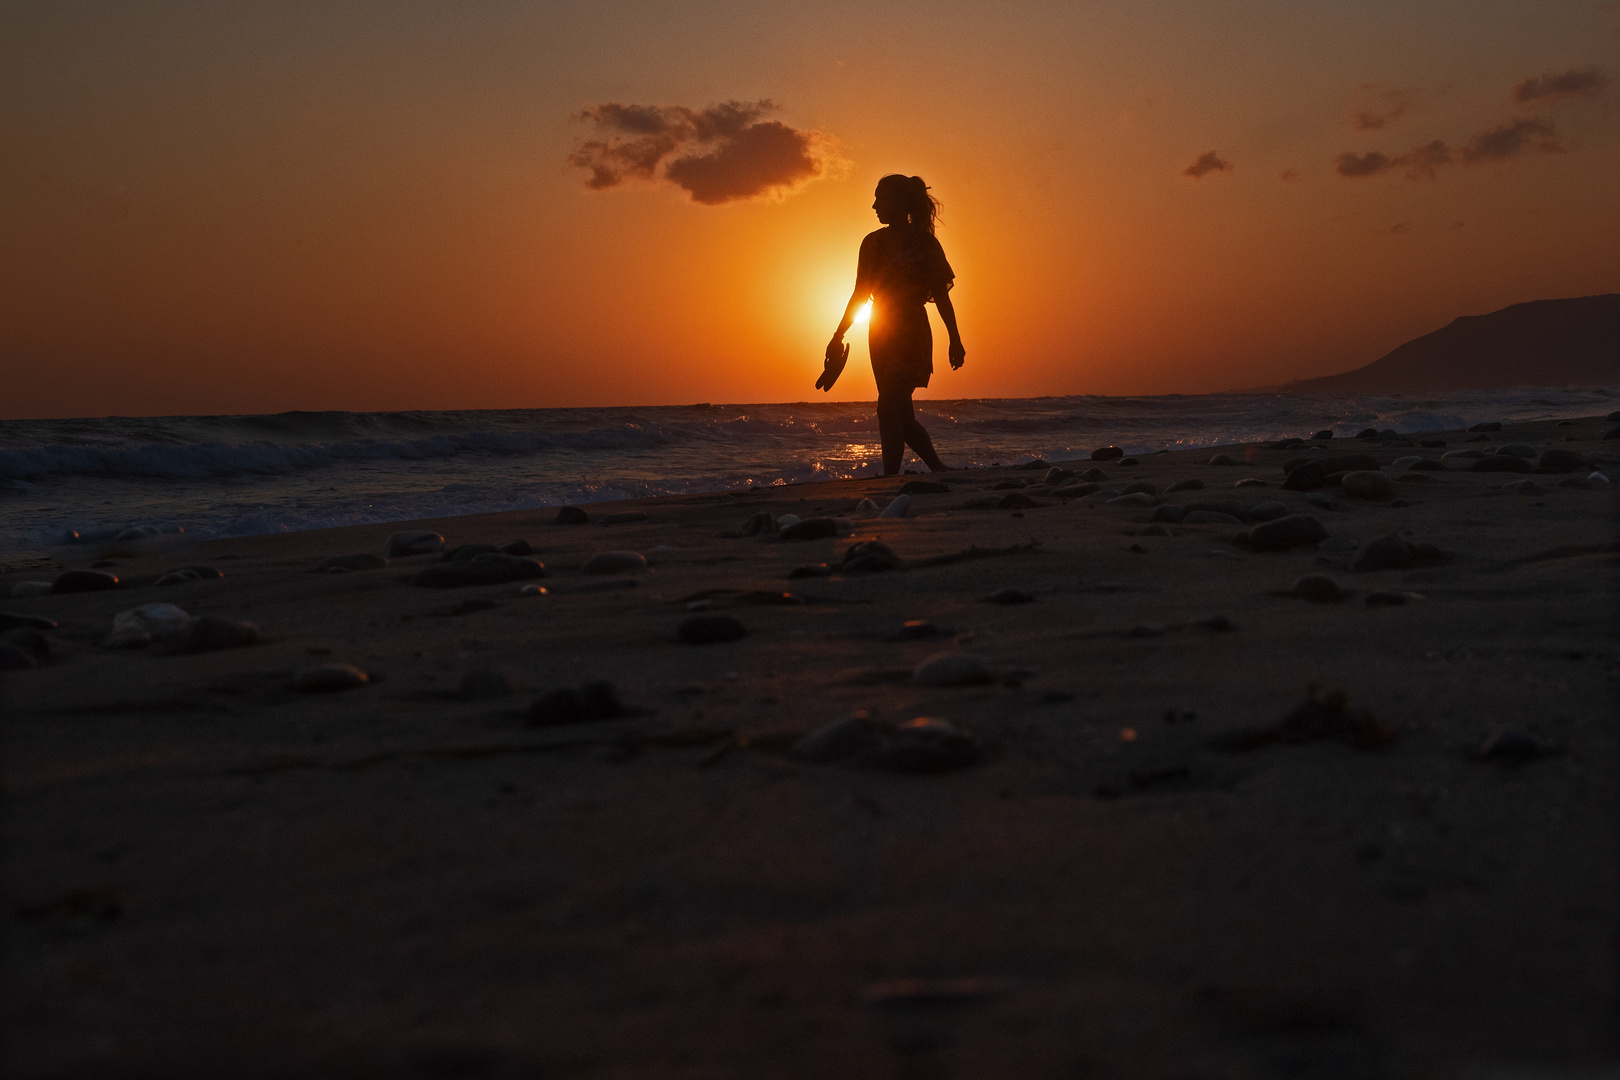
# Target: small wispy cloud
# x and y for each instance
(722, 153)
(1208, 162)
(1386, 106)
(1500, 143)
(1581, 82)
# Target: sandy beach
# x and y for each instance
(1173, 817)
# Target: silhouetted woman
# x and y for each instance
(901, 268)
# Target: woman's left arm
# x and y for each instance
(947, 314)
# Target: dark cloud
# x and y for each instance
(1207, 162)
(1584, 82)
(1423, 162)
(1390, 105)
(1512, 139)
(719, 154)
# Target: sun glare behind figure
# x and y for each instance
(864, 313)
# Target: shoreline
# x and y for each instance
(1146, 840)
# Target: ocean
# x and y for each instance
(247, 475)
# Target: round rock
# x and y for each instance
(329, 678)
(952, 669)
(1107, 453)
(1295, 530)
(413, 542)
(1224, 459)
(1319, 589)
(710, 629)
(572, 515)
(615, 562)
(1366, 484)
(76, 581)
(1268, 511)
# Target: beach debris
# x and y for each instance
(78, 581)
(593, 701)
(139, 627)
(710, 629)
(1208, 517)
(870, 557)
(839, 740)
(329, 679)
(1509, 746)
(760, 524)
(1107, 453)
(817, 528)
(927, 487)
(466, 552)
(1392, 598)
(1191, 483)
(1320, 716)
(16, 620)
(897, 507)
(1224, 459)
(952, 669)
(615, 562)
(1366, 484)
(1295, 530)
(1393, 553)
(917, 630)
(1562, 461)
(572, 515)
(925, 744)
(1318, 588)
(1496, 464)
(413, 542)
(183, 574)
(1009, 596)
(481, 569)
(21, 590)
(208, 633)
(625, 517)
(351, 563)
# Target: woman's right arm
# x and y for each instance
(862, 293)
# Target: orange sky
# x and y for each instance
(242, 208)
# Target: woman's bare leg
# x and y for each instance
(898, 427)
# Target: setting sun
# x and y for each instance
(864, 313)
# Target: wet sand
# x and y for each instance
(1144, 871)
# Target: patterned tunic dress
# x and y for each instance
(903, 267)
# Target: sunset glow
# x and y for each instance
(256, 207)
(864, 312)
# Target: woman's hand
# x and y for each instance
(958, 354)
(837, 351)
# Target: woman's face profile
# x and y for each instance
(887, 207)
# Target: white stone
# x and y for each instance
(897, 508)
(787, 519)
(952, 669)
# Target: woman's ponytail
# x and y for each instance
(922, 209)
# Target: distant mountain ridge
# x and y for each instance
(1573, 342)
